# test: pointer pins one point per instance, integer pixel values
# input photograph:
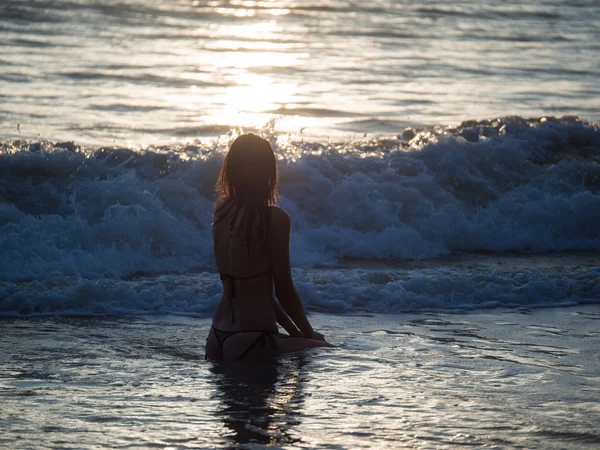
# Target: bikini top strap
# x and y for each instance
(226, 276)
(231, 280)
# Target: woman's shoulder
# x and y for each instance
(278, 215)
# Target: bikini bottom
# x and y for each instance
(222, 336)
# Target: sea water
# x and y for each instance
(441, 164)
(436, 211)
(455, 269)
(500, 379)
(139, 72)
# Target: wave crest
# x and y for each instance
(505, 185)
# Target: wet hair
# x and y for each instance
(249, 172)
(248, 179)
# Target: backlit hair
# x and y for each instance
(249, 172)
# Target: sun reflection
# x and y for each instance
(225, 44)
(248, 8)
(258, 4)
(245, 60)
(248, 103)
(238, 84)
(258, 30)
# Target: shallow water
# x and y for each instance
(500, 379)
(139, 72)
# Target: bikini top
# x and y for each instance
(231, 280)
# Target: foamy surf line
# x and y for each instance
(78, 225)
(384, 289)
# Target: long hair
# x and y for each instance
(248, 181)
(249, 172)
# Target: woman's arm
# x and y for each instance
(279, 252)
(284, 320)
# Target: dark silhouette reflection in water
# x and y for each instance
(261, 401)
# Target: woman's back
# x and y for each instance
(240, 239)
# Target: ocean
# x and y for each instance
(154, 72)
(441, 165)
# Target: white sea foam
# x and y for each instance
(325, 290)
(508, 185)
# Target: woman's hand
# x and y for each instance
(318, 336)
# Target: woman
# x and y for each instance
(251, 242)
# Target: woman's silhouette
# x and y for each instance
(251, 243)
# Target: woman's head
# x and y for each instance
(249, 172)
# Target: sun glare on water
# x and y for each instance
(246, 62)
